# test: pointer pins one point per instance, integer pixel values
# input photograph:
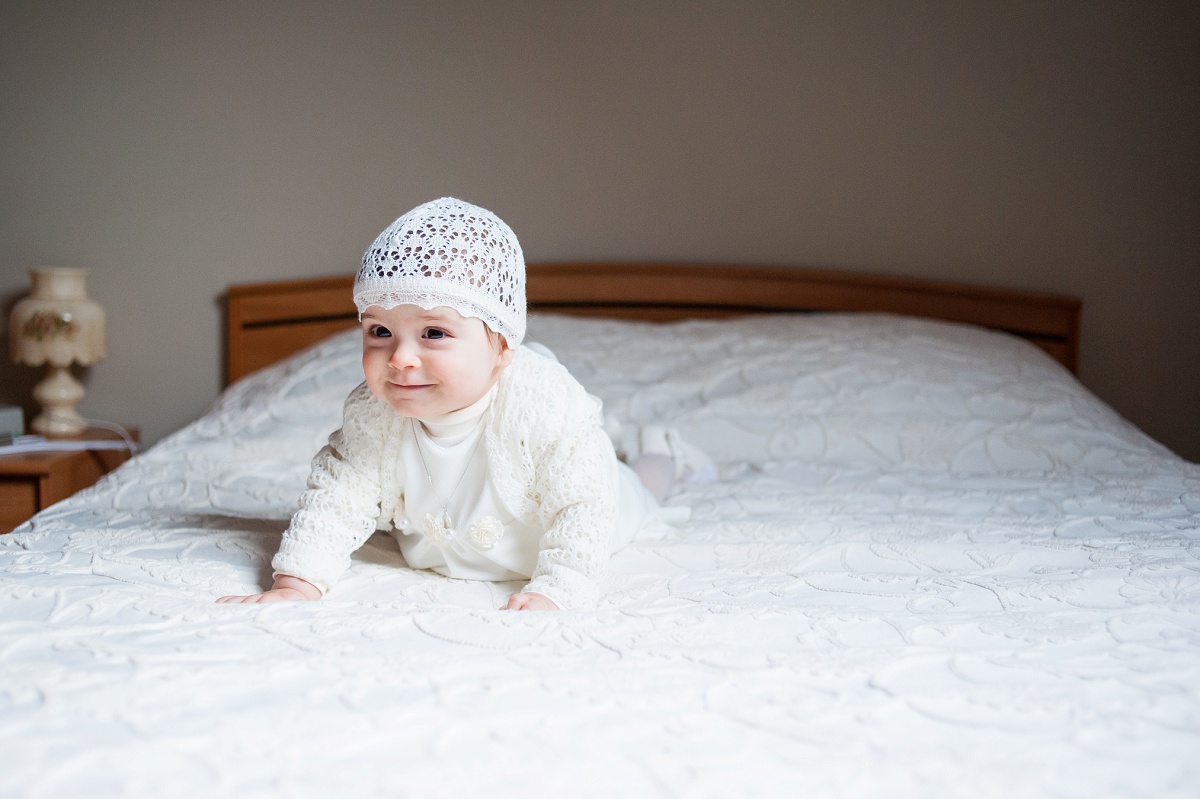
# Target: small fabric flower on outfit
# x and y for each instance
(435, 529)
(487, 532)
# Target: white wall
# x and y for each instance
(175, 147)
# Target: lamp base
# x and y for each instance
(58, 395)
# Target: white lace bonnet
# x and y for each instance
(448, 253)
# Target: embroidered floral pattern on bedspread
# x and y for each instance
(933, 565)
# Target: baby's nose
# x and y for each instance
(404, 356)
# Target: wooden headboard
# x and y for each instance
(269, 321)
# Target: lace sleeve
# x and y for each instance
(577, 484)
(340, 508)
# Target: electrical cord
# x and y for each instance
(119, 430)
(37, 443)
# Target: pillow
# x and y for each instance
(863, 392)
(866, 390)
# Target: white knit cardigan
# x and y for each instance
(551, 462)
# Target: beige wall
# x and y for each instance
(175, 147)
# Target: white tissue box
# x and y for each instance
(12, 421)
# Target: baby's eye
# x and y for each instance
(379, 331)
(434, 334)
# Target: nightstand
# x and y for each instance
(32, 481)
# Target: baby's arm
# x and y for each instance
(545, 420)
(286, 587)
(338, 509)
(578, 487)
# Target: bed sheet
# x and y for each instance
(932, 565)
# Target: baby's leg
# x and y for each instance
(659, 457)
(657, 473)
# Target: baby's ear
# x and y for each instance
(505, 356)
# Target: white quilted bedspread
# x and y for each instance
(933, 565)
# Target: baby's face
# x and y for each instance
(429, 363)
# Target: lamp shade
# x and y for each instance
(57, 323)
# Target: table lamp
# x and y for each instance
(57, 324)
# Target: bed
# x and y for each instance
(931, 564)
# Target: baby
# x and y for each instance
(484, 458)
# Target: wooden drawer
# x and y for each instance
(18, 501)
(30, 482)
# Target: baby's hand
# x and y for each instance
(286, 588)
(529, 602)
